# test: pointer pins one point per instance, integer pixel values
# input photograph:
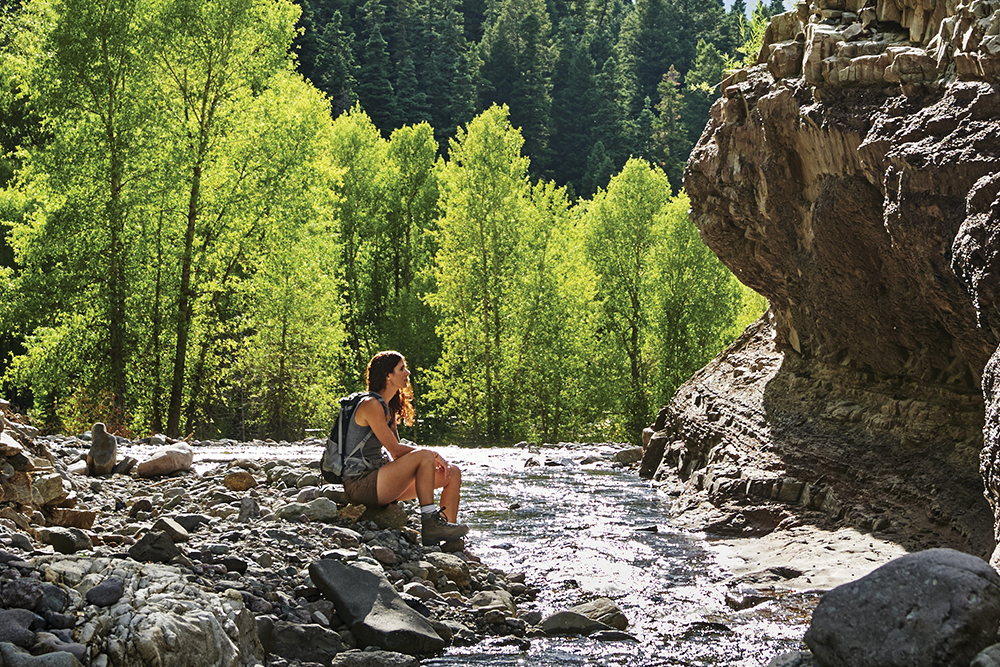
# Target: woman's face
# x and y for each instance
(400, 376)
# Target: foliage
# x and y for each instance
(163, 145)
(196, 239)
(571, 74)
(697, 302)
(625, 229)
(751, 37)
(485, 194)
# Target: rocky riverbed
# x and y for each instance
(242, 562)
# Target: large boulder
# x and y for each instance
(175, 623)
(376, 614)
(166, 460)
(154, 547)
(66, 540)
(603, 610)
(567, 622)
(374, 659)
(976, 260)
(12, 657)
(935, 607)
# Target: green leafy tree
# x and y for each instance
(696, 306)
(150, 247)
(554, 390)
(289, 340)
(409, 182)
(93, 91)
(213, 57)
(359, 152)
(484, 193)
(385, 209)
(625, 227)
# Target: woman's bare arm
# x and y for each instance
(370, 413)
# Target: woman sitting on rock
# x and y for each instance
(373, 479)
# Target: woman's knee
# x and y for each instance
(454, 474)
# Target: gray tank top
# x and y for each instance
(371, 456)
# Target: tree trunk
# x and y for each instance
(184, 309)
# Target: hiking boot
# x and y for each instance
(434, 528)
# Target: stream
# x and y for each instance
(585, 531)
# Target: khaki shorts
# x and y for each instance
(363, 490)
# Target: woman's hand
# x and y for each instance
(443, 466)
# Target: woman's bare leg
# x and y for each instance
(449, 484)
(451, 490)
(410, 476)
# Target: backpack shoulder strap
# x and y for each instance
(349, 414)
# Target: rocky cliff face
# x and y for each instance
(852, 178)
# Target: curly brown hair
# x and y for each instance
(379, 368)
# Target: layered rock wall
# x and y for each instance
(852, 178)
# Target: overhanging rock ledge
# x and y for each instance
(853, 178)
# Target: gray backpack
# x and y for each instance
(335, 454)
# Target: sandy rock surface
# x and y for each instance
(805, 557)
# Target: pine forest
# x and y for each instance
(213, 212)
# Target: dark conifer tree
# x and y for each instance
(696, 20)
(375, 91)
(605, 17)
(411, 100)
(572, 106)
(325, 50)
(474, 13)
(607, 129)
(644, 144)
(532, 108)
(701, 89)
(335, 69)
(670, 136)
(647, 47)
(441, 56)
(600, 169)
(517, 60)
(730, 28)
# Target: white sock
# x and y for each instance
(428, 509)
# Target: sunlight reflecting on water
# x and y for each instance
(584, 531)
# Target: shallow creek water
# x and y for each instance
(584, 531)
